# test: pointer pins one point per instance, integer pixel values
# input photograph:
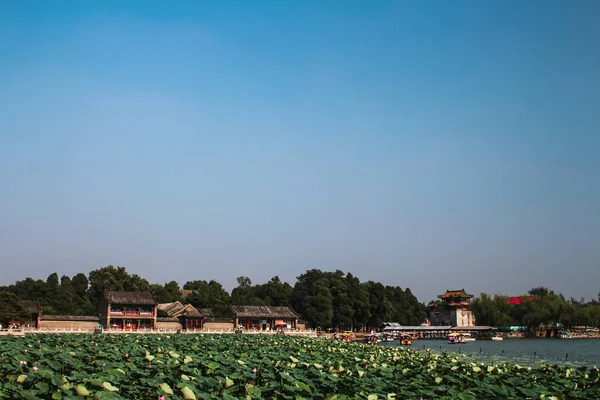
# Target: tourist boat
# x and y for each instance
(497, 338)
(405, 340)
(387, 337)
(372, 338)
(346, 337)
(564, 335)
(456, 339)
(467, 337)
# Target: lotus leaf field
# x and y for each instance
(264, 366)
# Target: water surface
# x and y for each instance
(524, 351)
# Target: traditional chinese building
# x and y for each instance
(33, 306)
(127, 310)
(517, 300)
(263, 317)
(454, 309)
(189, 317)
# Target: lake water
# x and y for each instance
(523, 351)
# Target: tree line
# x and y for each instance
(541, 308)
(324, 299)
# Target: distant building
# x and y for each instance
(263, 317)
(516, 300)
(127, 310)
(186, 292)
(33, 306)
(189, 317)
(454, 310)
(390, 327)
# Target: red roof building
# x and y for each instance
(516, 300)
(456, 298)
(454, 310)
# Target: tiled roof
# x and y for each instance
(185, 293)
(263, 312)
(455, 293)
(33, 305)
(177, 309)
(140, 298)
(519, 299)
(170, 308)
(190, 312)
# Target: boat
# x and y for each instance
(405, 340)
(467, 337)
(346, 337)
(372, 339)
(386, 337)
(456, 339)
(497, 338)
(564, 335)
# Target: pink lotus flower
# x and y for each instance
(254, 370)
(23, 362)
(34, 368)
(126, 355)
(162, 398)
(25, 350)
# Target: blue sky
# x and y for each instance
(431, 145)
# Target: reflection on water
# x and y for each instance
(522, 351)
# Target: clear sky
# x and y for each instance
(428, 144)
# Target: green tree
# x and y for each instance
(243, 294)
(80, 285)
(67, 298)
(11, 309)
(244, 282)
(406, 308)
(114, 279)
(484, 310)
(381, 308)
(208, 295)
(359, 296)
(273, 293)
(84, 305)
(543, 312)
(167, 293)
(343, 310)
(540, 291)
(323, 299)
(29, 289)
(318, 310)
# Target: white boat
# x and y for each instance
(467, 337)
(497, 338)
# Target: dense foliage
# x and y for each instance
(261, 366)
(11, 309)
(541, 308)
(324, 299)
